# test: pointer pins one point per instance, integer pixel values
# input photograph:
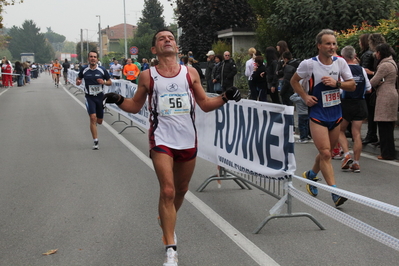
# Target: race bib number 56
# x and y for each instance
(174, 104)
(331, 98)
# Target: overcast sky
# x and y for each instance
(67, 17)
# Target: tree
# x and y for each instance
(92, 47)
(69, 47)
(28, 39)
(6, 3)
(151, 21)
(200, 21)
(299, 26)
(56, 40)
(153, 15)
(142, 40)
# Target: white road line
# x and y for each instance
(243, 242)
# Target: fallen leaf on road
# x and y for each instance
(51, 251)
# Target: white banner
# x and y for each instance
(250, 137)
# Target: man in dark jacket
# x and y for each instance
(287, 71)
(228, 71)
(210, 63)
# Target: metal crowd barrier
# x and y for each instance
(285, 192)
(273, 187)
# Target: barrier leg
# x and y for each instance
(289, 214)
(131, 125)
(106, 111)
(223, 175)
(119, 120)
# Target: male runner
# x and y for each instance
(95, 78)
(324, 74)
(173, 91)
(57, 71)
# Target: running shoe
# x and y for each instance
(337, 153)
(346, 162)
(170, 257)
(312, 190)
(338, 200)
(355, 168)
(302, 141)
(95, 146)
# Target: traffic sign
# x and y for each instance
(134, 50)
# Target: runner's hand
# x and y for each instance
(233, 93)
(113, 97)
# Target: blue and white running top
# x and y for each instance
(328, 107)
(362, 83)
(171, 106)
(90, 77)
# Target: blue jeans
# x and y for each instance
(303, 125)
(20, 80)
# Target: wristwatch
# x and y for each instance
(338, 85)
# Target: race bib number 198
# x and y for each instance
(331, 98)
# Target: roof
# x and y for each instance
(117, 32)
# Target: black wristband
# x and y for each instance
(120, 101)
(224, 98)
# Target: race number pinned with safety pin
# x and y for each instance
(95, 89)
(174, 104)
(331, 97)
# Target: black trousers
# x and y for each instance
(387, 141)
(371, 124)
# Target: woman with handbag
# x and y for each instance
(386, 105)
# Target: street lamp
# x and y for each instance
(99, 36)
(87, 44)
(124, 13)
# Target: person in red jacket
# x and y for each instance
(6, 70)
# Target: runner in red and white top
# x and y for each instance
(173, 92)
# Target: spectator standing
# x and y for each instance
(228, 71)
(6, 70)
(137, 63)
(281, 48)
(303, 118)
(194, 63)
(65, 66)
(144, 65)
(288, 70)
(386, 106)
(216, 78)
(26, 72)
(116, 69)
(271, 73)
(210, 63)
(34, 70)
(249, 70)
(259, 80)
(19, 70)
(369, 62)
(354, 110)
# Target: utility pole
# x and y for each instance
(100, 36)
(124, 12)
(81, 46)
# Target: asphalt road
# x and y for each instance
(100, 207)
